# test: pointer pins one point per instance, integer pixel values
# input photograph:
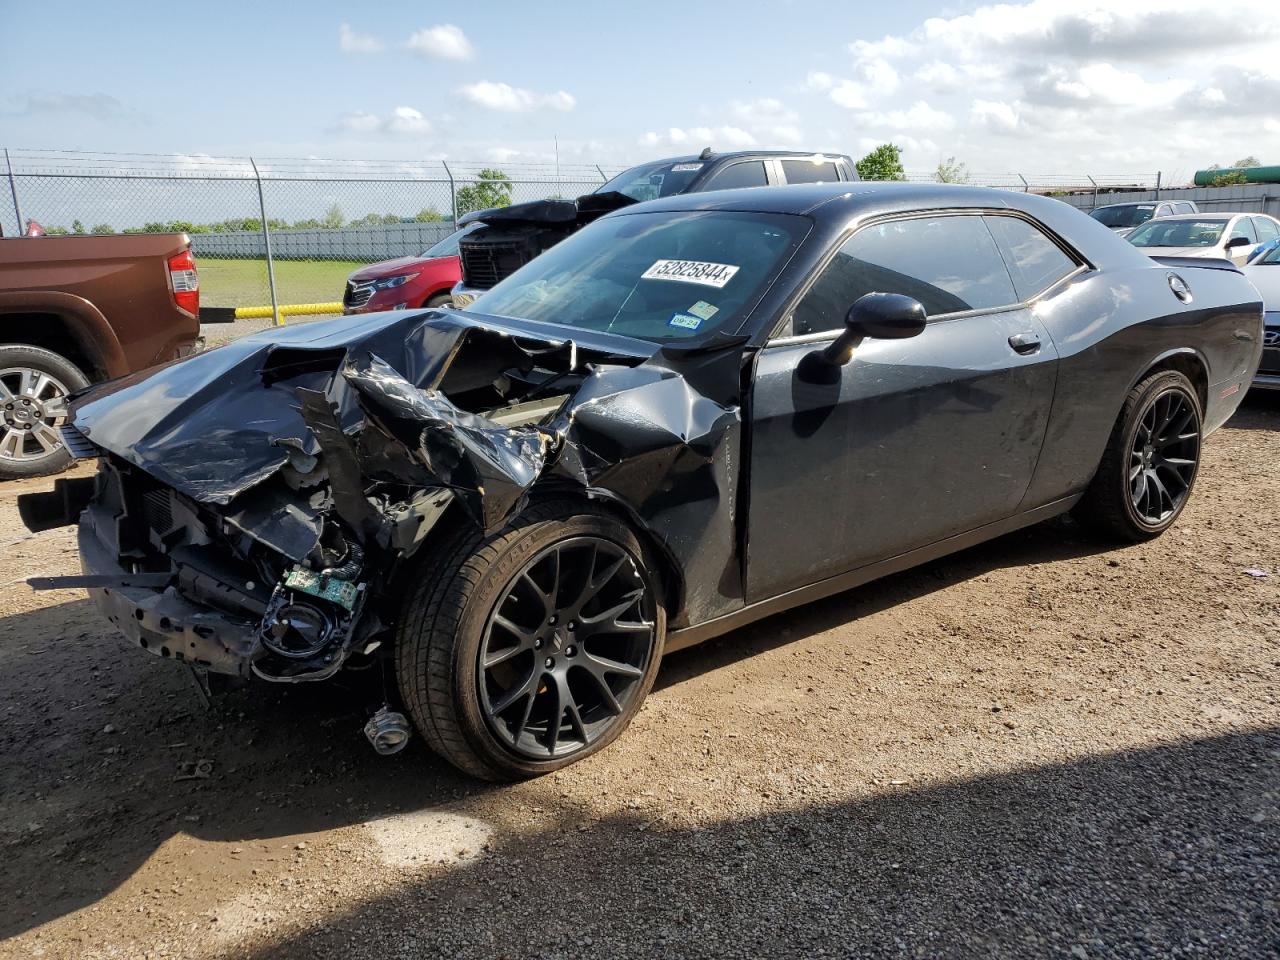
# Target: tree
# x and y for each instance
(491, 189)
(77, 228)
(102, 230)
(1228, 179)
(55, 231)
(882, 163)
(429, 215)
(951, 172)
(1249, 161)
(333, 219)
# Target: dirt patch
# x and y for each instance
(1038, 747)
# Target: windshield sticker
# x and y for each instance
(704, 310)
(684, 320)
(691, 271)
(686, 167)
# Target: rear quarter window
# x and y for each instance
(806, 171)
(1035, 262)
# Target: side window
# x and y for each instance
(1244, 228)
(948, 263)
(1035, 262)
(1164, 210)
(806, 171)
(1267, 229)
(748, 174)
(1185, 207)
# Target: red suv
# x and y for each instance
(407, 282)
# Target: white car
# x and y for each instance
(1232, 236)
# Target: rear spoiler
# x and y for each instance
(1202, 263)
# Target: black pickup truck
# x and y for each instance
(512, 236)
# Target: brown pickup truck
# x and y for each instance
(76, 310)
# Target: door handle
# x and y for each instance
(1024, 343)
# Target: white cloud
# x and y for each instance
(938, 74)
(918, 116)
(850, 95)
(819, 81)
(445, 42)
(402, 121)
(879, 75)
(408, 120)
(351, 42)
(714, 137)
(504, 97)
(994, 115)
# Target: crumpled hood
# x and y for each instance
(217, 423)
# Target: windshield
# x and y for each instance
(1178, 233)
(649, 181)
(656, 276)
(448, 247)
(1126, 216)
(1272, 254)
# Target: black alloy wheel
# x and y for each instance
(565, 648)
(1149, 466)
(1164, 456)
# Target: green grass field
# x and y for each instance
(243, 283)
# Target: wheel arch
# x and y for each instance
(1187, 361)
(67, 325)
(663, 562)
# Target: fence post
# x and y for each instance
(13, 190)
(603, 178)
(453, 193)
(266, 237)
(1157, 184)
(1026, 187)
(1095, 190)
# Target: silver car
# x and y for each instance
(1123, 218)
(1231, 236)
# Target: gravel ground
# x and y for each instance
(1039, 747)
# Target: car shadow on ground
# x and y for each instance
(1058, 539)
(82, 808)
(1169, 851)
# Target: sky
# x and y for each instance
(1044, 87)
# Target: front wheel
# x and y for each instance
(34, 384)
(1150, 463)
(534, 648)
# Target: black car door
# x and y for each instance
(914, 440)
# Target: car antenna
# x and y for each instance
(705, 154)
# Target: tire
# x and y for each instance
(439, 300)
(29, 445)
(1159, 433)
(459, 610)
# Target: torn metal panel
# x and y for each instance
(489, 466)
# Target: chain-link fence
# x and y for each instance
(281, 235)
(271, 232)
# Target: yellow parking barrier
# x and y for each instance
(287, 310)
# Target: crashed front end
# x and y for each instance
(256, 508)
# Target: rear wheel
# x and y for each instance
(1150, 463)
(439, 300)
(531, 649)
(34, 384)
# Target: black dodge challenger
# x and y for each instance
(693, 413)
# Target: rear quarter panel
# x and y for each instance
(1110, 328)
(124, 276)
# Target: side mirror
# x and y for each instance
(884, 316)
(1238, 242)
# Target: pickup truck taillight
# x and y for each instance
(185, 282)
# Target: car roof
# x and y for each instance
(833, 206)
(740, 154)
(1133, 203)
